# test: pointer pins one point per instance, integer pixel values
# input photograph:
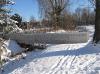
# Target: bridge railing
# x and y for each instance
(50, 38)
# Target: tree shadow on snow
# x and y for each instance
(88, 49)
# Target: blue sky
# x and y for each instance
(28, 8)
(79, 4)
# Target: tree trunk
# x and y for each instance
(96, 37)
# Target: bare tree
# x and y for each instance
(93, 2)
(53, 9)
(31, 22)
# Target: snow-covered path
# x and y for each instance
(58, 59)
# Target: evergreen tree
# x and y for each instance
(4, 17)
(17, 18)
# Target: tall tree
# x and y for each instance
(32, 22)
(3, 13)
(96, 37)
(85, 16)
(53, 10)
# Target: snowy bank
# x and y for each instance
(12, 46)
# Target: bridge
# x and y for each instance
(50, 38)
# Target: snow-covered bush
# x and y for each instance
(6, 22)
(12, 29)
(1, 21)
(2, 53)
(8, 29)
(1, 62)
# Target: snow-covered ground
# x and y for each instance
(13, 47)
(83, 58)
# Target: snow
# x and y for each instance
(58, 31)
(9, 21)
(13, 47)
(15, 29)
(1, 21)
(80, 58)
(12, 2)
(90, 29)
(11, 24)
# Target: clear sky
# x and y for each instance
(28, 8)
